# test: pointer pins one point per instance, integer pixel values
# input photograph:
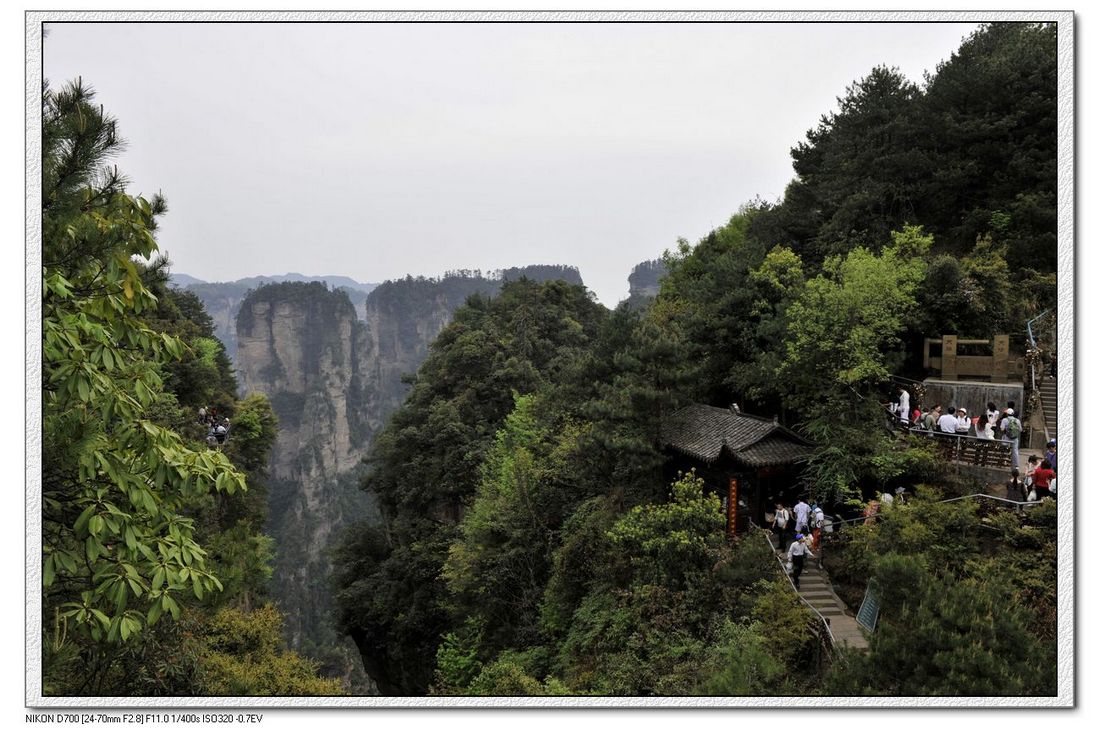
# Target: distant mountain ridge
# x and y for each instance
(222, 299)
(185, 281)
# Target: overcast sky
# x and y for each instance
(379, 150)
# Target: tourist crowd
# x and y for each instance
(217, 429)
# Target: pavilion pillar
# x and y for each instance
(949, 368)
(1000, 359)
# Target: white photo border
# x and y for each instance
(1067, 636)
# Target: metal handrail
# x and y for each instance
(783, 569)
(1030, 332)
(990, 496)
(834, 521)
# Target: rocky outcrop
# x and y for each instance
(222, 300)
(334, 371)
(645, 283)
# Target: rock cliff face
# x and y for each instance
(222, 300)
(333, 372)
(301, 345)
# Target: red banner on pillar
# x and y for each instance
(731, 510)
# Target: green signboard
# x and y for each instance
(868, 610)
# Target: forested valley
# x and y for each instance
(528, 533)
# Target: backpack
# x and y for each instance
(1013, 427)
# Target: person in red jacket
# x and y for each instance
(1041, 480)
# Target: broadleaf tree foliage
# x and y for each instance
(150, 539)
(118, 547)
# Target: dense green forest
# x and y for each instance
(531, 541)
(154, 563)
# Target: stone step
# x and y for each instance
(824, 605)
(829, 611)
(816, 593)
(854, 642)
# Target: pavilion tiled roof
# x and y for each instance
(704, 432)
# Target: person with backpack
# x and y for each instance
(929, 419)
(782, 519)
(801, 516)
(1011, 428)
(817, 524)
(962, 422)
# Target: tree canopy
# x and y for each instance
(150, 538)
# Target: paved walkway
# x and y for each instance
(818, 591)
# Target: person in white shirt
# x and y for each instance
(962, 422)
(797, 555)
(801, 516)
(782, 522)
(903, 405)
(992, 413)
(947, 421)
(984, 429)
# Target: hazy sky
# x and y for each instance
(379, 150)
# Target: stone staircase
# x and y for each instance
(815, 588)
(1048, 398)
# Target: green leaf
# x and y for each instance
(154, 612)
(158, 577)
(82, 520)
(91, 549)
(172, 606)
(48, 571)
(100, 616)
